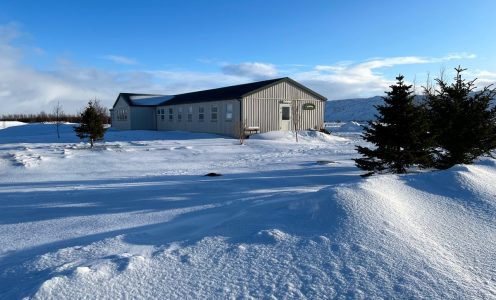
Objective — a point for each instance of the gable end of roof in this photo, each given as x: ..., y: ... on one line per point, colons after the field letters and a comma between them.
x: 291, y: 81
x: 127, y: 98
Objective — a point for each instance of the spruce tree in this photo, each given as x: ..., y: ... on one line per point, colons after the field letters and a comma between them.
x: 399, y: 133
x: 91, y: 126
x: 462, y: 122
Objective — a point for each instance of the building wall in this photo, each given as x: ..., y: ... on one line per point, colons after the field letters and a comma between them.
x: 119, y: 122
x: 143, y: 118
x: 221, y: 126
x: 262, y: 108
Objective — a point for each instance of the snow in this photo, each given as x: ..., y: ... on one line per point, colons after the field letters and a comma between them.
x: 303, y: 136
x: 136, y: 218
x: 150, y: 101
x: 7, y: 124
x: 346, y: 128
x: 144, y: 96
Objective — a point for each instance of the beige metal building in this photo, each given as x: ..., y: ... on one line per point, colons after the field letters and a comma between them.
x: 277, y: 104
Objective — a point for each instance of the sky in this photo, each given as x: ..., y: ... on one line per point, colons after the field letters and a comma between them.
x: 74, y: 51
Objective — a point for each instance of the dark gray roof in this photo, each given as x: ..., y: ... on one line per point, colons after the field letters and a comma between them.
x: 234, y: 92
x: 150, y: 101
x: 131, y: 101
x: 224, y: 93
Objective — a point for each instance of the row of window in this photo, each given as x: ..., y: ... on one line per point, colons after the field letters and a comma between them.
x: 214, y: 113
x: 121, y: 114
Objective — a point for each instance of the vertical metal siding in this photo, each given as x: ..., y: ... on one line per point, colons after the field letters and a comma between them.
x: 262, y: 108
x: 143, y: 118
x: 221, y: 126
x: 121, y: 124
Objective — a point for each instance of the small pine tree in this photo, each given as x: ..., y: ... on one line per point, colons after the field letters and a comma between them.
x: 399, y: 133
x: 462, y: 122
x: 91, y: 126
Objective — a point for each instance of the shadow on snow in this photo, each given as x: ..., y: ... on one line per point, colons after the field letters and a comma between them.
x: 238, y: 207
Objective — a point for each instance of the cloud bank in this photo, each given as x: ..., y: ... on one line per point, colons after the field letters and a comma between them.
x: 251, y: 70
x: 26, y: 89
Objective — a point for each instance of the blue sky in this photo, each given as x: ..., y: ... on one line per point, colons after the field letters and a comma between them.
x: 71, y: 51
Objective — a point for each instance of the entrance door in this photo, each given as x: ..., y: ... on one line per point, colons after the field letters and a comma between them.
x: 284, y: 117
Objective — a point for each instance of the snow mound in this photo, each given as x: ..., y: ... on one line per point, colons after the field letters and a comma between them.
x: 27, y: 160
x: 308, y: 136
x: 7, y: 124
x: 432, y: 229
x: 272, y: 235
x: 137, y: 214
x: 413, y: 236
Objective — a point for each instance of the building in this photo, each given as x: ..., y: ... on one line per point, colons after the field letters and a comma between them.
x: 263, y: 106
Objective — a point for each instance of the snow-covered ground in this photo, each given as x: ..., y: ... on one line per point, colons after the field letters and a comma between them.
x: 7, y: 124
x: 136, y: 218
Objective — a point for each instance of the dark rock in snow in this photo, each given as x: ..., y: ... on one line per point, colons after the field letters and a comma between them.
x: 213, y: 174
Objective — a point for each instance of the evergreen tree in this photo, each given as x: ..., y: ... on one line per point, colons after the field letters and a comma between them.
x: 399, y: 133
x: 462, y: 122
x: 91, y: 126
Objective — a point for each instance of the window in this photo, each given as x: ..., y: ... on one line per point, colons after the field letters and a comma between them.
x: 160, y: 114
x: 179, y: 114
x: 229, y: 112
x: 213, y: 113
x: 201, y: 113
x: 190, y: 113
x: 171, y: 114
x: 122, y: 114
x: 285, y: 113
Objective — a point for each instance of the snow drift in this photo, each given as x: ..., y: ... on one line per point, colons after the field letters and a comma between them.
x: 81, y: 223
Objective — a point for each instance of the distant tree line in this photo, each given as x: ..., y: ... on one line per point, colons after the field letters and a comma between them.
x: 454, y: 124
x: 42, y: 117
x: 57, y: 115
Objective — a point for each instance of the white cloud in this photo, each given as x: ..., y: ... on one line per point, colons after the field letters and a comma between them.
x: 121, y: 60
x: 24, y: 89
x: 484, y: 78
x: 458, y: 56
x: 250, y: 69
x: 350, y: 80
x: 186, y: 81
